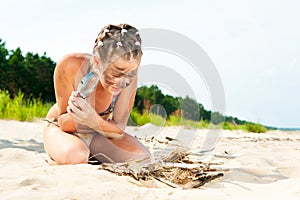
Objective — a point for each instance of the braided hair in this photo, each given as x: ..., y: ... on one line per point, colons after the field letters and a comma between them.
x: 121, y: 40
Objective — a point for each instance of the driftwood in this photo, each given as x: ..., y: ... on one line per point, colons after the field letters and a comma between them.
x: 176, y: 170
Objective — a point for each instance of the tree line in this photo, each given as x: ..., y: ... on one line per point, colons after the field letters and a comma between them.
x: 187, y: 107
x: 32, y: 75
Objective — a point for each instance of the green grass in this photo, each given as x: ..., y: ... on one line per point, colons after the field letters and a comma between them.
x: 248, y: 127
x: 179, y: 121
x: 21, y: 109
x: 253, y: 127
x: 141, y: 119
x: 175, y: 120
x: 230, y: 126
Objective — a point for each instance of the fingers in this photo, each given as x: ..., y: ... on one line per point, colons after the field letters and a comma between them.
x: 69, y: 110
x: 75, y: 94
x: 79, y: 106
x: 80, y: 109
x: 74, y: 107
x: 80, y: 102
x: 75, y: 111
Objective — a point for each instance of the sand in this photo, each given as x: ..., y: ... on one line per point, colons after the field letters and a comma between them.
x: 257, y: 166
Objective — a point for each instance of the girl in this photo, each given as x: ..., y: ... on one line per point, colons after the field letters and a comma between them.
x: 95, y: 125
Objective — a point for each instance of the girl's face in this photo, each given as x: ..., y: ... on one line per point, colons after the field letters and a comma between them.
x: 119, y: 74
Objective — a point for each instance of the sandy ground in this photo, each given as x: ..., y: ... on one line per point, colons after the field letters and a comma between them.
x: 259, y: 166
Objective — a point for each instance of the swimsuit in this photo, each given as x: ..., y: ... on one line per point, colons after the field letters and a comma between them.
x: 111, y: 107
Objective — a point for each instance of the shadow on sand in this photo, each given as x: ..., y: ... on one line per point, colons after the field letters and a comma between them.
x: 29, y: 145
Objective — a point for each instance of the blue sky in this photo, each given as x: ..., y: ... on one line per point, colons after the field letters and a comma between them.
x: 254, y: 44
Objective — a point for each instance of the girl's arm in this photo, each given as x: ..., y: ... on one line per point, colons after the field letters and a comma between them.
x: 121, y: 111
x: 65, y: 71
x: 85, y: 114
x: 124, y: 105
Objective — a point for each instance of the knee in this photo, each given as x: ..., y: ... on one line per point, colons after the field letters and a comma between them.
x: 74, y: 154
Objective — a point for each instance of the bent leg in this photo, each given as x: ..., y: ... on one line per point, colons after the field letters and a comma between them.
x: 118, y: 150
x: 62, y: 147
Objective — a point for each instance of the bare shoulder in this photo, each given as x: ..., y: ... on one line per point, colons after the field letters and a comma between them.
x: 71, y: 63
x: 65, y: 74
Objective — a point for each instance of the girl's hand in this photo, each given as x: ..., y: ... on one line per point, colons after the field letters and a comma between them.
x: 81, y: 111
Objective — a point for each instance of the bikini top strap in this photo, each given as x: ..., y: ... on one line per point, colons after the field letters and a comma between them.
x: 111, y: 106
x: 115, y: 98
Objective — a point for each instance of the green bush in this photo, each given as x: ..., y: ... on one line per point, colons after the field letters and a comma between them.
x: 4, y: 100
x: 174, y: 120
x: 139, y: 119
x: 134, y: 115
x: 230, y: 126
x: 143, y: 119
x: 203, y: 124
x: 195, y: 124
x: 253, y: 127
x: 157, y: 120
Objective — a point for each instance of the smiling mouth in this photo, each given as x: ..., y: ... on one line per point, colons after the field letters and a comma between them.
x: 116, y: 88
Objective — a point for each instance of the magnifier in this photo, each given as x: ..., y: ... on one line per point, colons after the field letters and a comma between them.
x: 88, y: 84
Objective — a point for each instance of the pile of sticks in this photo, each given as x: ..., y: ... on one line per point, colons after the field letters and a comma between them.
x: 176, y: 170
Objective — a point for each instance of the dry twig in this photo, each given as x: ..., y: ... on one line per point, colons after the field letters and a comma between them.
x: 176, y: 170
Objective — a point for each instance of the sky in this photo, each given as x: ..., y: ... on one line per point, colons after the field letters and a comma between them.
x: 254, y: 45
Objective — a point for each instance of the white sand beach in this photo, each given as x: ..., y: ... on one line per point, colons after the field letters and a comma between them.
x: 257, y: 166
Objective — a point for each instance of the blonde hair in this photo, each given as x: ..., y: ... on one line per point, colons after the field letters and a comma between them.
x: 121, y: 40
